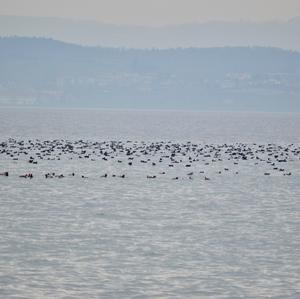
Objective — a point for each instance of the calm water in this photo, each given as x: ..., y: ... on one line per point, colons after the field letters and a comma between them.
x: 235, y: 236
x: 150, y: 125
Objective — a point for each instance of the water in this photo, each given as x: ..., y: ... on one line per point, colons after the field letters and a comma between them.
x: 235, y: 236
x: 150, y: 125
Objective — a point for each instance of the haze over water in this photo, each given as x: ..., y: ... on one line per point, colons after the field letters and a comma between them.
x: 234, y: 236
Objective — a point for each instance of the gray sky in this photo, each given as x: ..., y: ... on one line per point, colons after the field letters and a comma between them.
x: 154, y: 12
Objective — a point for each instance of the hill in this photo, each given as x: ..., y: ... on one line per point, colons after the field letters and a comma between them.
x: 36, y: 71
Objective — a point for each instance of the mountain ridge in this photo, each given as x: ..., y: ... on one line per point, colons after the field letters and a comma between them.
x: 282, y: 34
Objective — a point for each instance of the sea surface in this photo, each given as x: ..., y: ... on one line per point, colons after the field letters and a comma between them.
x: 235, y: 235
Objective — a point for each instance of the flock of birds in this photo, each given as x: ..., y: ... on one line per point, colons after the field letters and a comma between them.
x: 195, y: 157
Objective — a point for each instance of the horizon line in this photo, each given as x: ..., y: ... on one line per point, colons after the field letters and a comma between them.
x: 167, y: 25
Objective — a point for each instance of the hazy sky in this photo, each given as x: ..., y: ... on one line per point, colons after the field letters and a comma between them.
x: 154, y: 12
